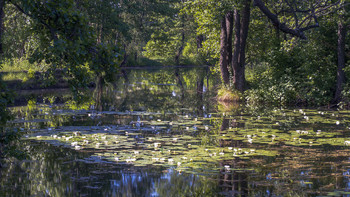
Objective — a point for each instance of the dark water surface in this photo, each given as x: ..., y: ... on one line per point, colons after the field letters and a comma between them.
x: 161, y: 133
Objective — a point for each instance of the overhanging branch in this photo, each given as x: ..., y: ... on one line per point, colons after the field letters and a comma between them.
x: 276, y: 22
x: 52, y: 30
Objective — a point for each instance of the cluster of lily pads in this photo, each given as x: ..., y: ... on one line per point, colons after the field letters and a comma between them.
x: 178, y: 142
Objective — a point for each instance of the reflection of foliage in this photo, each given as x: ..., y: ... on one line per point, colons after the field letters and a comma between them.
x: 274, y: 150
x: 8, y: 136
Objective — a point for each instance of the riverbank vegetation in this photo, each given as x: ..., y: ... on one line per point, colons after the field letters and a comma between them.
x: 279, y: 53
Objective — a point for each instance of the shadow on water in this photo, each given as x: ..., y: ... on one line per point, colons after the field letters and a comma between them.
x: 161, y: 133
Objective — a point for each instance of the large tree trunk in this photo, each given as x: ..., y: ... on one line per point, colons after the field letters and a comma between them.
x: 224, y: 53
x: 229, y: 32
x: 241, y: 35
x: 341, y: 62
x: 236, y: 45
x: 2, y: 14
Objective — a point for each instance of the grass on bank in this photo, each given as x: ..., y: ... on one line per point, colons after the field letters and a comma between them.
x: 226, y: 94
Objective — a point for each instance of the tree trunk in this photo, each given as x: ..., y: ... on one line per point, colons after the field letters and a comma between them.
x: 341, y: 62
x: 241, y: 35
x: 99, y: 92
x: 2, y: 14
x: 224, y: 53
x: 179, y: 52
x: 236, y: 45
x: 199, y: 39
x: 229, y: 31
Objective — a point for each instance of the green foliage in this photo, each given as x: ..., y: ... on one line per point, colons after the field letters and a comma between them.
x: 297, y: 72
x: 67, y: 42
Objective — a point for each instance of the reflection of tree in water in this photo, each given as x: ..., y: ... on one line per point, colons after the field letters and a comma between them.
x: 173, y: 183
x: 160, y: 90
x: 54, y: 171
x: 233, y: 179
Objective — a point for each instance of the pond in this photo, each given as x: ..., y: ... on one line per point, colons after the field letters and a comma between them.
x: 162, y: 133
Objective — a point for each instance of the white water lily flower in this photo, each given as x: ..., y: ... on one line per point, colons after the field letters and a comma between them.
x: 77, y: 147
x: 136, y: 152
x: 116, y: 159
x: 74, y: 143
x: 155, y: 158
x: 157, y: 145
x: 54, y: 136
x: 206, y: 127
x: 178, y: 163
x: 171, y: 160
x: 221, y: 153
x: 337, y: 123
x: 250, y: 140
x: 227, y: 167
x: 347, y: 143
x: 175, y: 139
x: 39, y: 136
x: 230, y: 148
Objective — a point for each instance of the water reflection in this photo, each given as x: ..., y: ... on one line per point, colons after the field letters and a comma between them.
x: 161, y: 134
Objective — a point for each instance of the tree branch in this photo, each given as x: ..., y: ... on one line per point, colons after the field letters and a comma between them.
x: 52, y: 30
x: 276, y: 22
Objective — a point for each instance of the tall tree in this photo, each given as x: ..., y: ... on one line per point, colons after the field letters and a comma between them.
x: 343, y: 22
